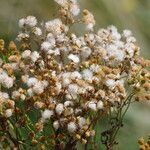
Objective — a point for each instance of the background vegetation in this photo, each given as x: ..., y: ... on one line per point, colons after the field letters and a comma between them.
x: 130, y: 14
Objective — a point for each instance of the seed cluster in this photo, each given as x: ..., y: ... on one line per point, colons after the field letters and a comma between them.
x: 72, y: 80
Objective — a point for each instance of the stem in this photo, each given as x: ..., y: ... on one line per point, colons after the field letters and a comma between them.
x: 86, y: 145
x: 116, y: 124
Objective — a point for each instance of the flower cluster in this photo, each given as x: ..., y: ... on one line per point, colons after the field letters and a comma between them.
x: 72, y: 80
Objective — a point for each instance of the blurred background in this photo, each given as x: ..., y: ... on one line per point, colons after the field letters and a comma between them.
x: 125, y: 14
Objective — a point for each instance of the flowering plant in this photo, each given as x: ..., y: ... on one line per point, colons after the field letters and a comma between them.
x: 56, y: 86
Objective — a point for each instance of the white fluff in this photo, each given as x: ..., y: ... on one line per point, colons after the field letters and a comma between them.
x: 95, y: 68
x: 74, y: 9
x: 54, y: 26
x: 71, y: 127
x: 8, y: 82
x: 46, y: 46
x: 75, y: 75
x: 22, y: 36
x: 87, y: 74
x: 68, y: 103
x: 37, y: 31
x: 38, y: 88
x: 56, y: 125
x: 59, y: 108
x: 74, y: 58
x: 31, y: 21
x: 92, y: 105
x: 126, y: 33
x: 31, y: 81
x: 73, y: 89
x: 26, y: 54
x: 81, y: 121
x: 61, y: 2
x: 30, y: 92
x: 46, y: 114
x: 110, y: 83
x: 85, y: 52
x: 21, y: 23
x: 113, y: 51
x: 34, y: 56
x: 8, y: 113
x: 100, y: 105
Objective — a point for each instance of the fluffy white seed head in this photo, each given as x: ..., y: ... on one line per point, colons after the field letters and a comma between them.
x: 81, y: 121
x: 56, y: 125
x: 22, y: 36
x: 73, y: 89
x: 31, y: 21
x: 100, y: 105
x: 26, y: 54
x: 95, y: 68
x: 38, y: 88
x: 8, y: 82
x: 68, y: 103
x: 54, y: 26
x: 61, y: 2
x: 46, y: 46
x: 110, y: 83
x: 46, y: 114
x: 92, y: 105
x: 75, y: 75
x: 37, y: 31
x: 32, y: 81
x: 30, y: 92
x: 113, y: 51
x: 21, y: 22
x: 74, y: 9
x: 87, y: 74
x: 59, y: 108
x: 71, y: 127
x: 8, y: 113
x: 85, y: 52
x: 34, y: 56
x: 74, y: 58
x: 127, y: 33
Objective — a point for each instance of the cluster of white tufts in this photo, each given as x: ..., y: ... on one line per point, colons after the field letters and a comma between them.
x: 30, y: 21
x: 5, y: 80
x: 27, y: 54
x: 66, y: 76
x: 36, y: 86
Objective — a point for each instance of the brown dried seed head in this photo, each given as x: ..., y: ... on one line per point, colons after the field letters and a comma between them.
x: 34, y: 142
x: 85, y: 12
x: 141, y: 141
x: 42, y: 138
x: 146, y: 85
x: 142, y: 147
x: 78, y: 137
x: 12, y: 46
x: 31, y: 134
x: 38, y: 126
x: 14, y: 58
x: 147, y: 96
x: 146, y: 146
x: 8, y: 68
x: 42, y: 147
x: 87, y: 134
x: 2, y: 43
x: 10, y: 103
x: 84, y: 141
